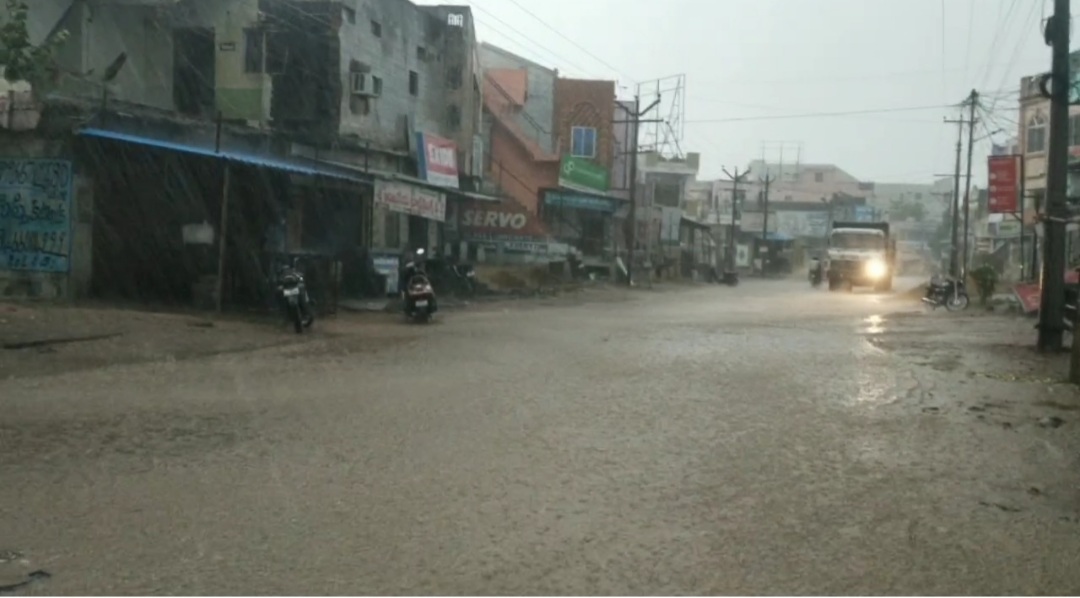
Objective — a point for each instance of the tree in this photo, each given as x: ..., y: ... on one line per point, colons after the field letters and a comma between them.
x: 21, y: 59
x: 903, y: 210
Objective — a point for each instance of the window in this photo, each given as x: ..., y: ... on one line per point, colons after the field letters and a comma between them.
x: 455, y: 20
x: 253, y: 51
x: 453, y: 77
x: 583, y: 142
x: 1074, y: 130
x: 453, y: 116
x: 819, y: 177
x: 376, y: 29
x: 376, y: 85
x: 421, y: 53
x: 1036, y: 134
x: 414, y: 83
x: 350, y: 15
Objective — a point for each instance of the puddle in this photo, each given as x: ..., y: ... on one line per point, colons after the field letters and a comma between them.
x: 874, y: 325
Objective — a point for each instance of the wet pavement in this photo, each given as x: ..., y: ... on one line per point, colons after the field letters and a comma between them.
x: 764, y: 439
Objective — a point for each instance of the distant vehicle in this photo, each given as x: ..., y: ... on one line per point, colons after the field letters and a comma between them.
x: 861, y: 254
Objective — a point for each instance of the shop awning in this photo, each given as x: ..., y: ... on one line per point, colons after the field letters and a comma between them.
x: 247, y: 159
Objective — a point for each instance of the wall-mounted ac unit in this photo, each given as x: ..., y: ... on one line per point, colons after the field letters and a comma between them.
x: 363, y: 84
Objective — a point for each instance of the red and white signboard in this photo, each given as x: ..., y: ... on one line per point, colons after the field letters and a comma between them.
x: 1004, y: 185
x: 437, y: 160
x: 507, y: 221
x: 410, y: 199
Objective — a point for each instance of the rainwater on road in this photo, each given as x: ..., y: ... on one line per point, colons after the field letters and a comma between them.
x: 714, y: 440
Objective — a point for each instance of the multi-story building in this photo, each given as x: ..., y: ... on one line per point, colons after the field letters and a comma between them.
x: 551, y: 148
x: 349, y: 124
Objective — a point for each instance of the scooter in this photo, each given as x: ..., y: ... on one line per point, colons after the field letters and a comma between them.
x: 299, y: 308
x: 419, y: 298
x: 948, y: 292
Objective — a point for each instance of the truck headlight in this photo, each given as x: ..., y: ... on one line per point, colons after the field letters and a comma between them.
x: 876, y: 269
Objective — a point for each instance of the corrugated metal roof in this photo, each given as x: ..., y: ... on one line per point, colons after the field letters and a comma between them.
x: 233, y: 156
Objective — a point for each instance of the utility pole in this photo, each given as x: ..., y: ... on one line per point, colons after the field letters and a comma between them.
x: 765, y: 223
x: 973, y: 101
x: 954, y: 203
x: 1051, y: 310
x: 736, y: 178
x: 635, y: 120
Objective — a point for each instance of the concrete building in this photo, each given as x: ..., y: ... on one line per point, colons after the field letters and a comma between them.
x: 355, y: 122
x: 551, y: 148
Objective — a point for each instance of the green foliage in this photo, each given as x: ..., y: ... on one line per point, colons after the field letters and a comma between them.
x: 22, y: 60
x: 903, y: 210
x: 986, y: 280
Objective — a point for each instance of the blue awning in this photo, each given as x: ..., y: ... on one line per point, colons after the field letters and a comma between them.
x: 775, y: 236
x: 230, y: 155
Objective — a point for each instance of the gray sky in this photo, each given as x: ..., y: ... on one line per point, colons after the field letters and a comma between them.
x: 764, y: 59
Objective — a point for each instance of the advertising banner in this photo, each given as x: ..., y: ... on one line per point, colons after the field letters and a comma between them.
x: 437, y: 160
x: 1004, y: 187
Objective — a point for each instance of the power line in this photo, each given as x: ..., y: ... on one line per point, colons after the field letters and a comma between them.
x: 524, y: 36
x: 823, y: 114
x: 574, y: 43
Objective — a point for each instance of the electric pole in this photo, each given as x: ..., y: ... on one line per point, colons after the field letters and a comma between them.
x: 1051, y: 310
x: 736, y: 178
x: 973, y: 101
x: 954, y: 204
x: 765, y: 223
x: 635, y: 120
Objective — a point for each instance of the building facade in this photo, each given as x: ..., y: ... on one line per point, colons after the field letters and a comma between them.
x: 349, y: 125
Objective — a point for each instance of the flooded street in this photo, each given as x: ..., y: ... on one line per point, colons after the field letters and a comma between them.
x: 764, y: 439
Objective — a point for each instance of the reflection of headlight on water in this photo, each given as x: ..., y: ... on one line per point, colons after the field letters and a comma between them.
x: 876, y: 269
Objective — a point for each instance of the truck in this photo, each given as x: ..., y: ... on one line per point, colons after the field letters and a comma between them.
x: 861, y: 254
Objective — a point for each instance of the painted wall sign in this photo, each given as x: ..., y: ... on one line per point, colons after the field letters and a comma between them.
x: 35, y: 215
x: 507, y: 221
x: 410, y: 199
x: 437, y: 160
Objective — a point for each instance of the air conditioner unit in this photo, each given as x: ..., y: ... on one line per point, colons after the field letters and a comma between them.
x: 362, y: 84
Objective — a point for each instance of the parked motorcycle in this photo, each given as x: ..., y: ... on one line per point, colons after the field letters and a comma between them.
x: 948, y: 292
x: 297, y: 303
x: 418, y: 293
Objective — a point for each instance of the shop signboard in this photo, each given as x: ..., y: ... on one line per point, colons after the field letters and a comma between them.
x: 410, y: 199
x: 437, y: 160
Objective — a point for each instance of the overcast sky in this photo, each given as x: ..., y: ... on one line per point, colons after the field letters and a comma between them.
x: 759, y: 63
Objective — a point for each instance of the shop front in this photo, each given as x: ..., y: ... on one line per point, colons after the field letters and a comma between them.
x: 408, y: 217
x: 504, y: 233
x: 583, y: 221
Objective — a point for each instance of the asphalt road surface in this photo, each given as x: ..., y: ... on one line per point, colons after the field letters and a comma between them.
x: 706, y: 441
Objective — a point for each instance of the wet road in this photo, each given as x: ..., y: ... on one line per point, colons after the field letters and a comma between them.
x: 703, y: 441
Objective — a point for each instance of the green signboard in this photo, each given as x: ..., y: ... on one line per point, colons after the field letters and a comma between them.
x: 583, y: 175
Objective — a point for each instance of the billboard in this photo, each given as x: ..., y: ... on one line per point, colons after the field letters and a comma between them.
x: 507, y: 221
x: 1004, y: 184
x: 436, y: 160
